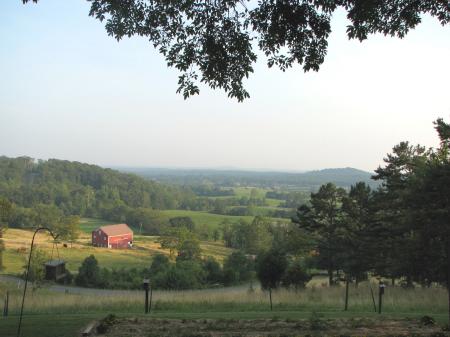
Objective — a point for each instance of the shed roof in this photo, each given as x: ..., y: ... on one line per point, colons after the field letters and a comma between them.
x: 118, y: 229
x: 55, y: 263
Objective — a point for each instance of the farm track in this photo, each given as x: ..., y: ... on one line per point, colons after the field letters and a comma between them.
x: 95, y: 291
x: 70, y: 289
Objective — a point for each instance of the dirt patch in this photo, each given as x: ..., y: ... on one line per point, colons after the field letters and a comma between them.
x: 144, y: 327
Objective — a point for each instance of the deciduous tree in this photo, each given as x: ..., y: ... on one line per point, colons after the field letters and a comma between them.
x: 213, y: 41
x: 5, y: 213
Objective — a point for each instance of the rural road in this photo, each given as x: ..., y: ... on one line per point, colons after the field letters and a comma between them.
x: 69, y: 289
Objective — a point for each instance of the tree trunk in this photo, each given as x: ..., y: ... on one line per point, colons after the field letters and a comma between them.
x: 270, y: 296
x: 346, y: 293
x: 448, y: 277
x: 409, y: 283
x: 330, y: 277
x: 1, y: 248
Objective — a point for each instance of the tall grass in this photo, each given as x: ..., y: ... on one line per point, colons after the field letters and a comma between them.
x: 396, y: 300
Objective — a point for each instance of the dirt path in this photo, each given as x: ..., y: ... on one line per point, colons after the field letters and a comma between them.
x: 69, y: 289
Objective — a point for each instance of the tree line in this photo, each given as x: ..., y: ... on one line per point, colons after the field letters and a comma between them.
x: 82, y: 189
x: 91, y: 191
x: 400, y: 230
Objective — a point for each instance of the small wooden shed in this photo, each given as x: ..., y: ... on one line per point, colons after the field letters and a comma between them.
x: 55, y: 270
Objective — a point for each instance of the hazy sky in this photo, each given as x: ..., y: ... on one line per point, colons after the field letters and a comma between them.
x: 69, y: 91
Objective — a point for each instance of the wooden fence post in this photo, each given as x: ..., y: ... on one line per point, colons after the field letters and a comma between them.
x: 5, y: 308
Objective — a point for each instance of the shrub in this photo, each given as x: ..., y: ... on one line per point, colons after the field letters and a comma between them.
x: 88, y: 273
x: 270, y: 268
x: 213, y: 271
x: 160, y: 264
x: 295, y: 276
x: 237, y: 268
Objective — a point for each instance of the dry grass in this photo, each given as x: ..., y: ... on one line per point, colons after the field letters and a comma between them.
x: 18, y: 241
x: 430, y: 301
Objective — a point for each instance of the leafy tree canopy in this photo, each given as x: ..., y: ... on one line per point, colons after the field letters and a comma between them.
x: 270, y: 268
x: 88, y: 273
x: 213, y: 41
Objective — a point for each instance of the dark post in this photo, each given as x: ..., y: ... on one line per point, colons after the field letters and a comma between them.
x: 7, y: 303
x: 5, y: 308
x: 146, y: 287
x: 346, y: 293
x: 270, y: 296
x: 380, y: 295
x: 151, y: 296
x: 373, y: 298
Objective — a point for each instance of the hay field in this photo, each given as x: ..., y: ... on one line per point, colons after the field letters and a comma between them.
x: 17, y: 242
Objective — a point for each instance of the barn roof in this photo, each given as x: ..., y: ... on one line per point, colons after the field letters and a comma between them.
x: 119, y: 229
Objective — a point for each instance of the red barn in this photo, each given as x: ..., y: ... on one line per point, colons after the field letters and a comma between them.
x: 113, y: 236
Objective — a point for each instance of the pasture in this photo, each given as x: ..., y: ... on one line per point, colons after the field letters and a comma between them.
x: 258, y: 192
x: 200, y: 218
x: 17, y: 242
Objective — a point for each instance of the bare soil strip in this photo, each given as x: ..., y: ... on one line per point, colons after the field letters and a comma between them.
x: 140, y: 327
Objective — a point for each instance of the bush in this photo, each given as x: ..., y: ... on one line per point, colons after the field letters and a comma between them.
x: 427, y: 321
x: 106, y: 323
x: 237, y: 268
x: 213, y: 271
x: 295, y: 276
x: 179, y: 276
x: 160, y: 264
x: 270, y: 268
x: 317, y: 322
x: 88, y: 273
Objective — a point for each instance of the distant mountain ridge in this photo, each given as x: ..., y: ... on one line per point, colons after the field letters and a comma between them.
x: 310, y: 180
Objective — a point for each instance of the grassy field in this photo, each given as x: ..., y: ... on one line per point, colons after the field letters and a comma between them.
x: 260, y: 193
x: 237, y: 303
x: 247, y: 191
x: 204, y: 217
x: 46, y: 325
x: 431, y: 301
x: 18, y: 241
x: 87, y: 225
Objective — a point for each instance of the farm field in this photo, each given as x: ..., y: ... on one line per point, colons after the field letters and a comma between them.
x: 200, y: 218
x: 17, y: 242
x: 240, y: 192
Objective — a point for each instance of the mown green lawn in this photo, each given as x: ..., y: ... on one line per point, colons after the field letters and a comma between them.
x: 46, y: 325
